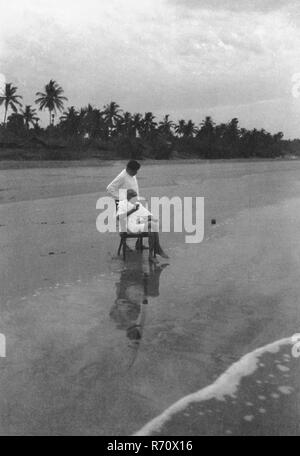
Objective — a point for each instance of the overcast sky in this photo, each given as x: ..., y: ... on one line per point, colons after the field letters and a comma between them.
x: 186, y: 58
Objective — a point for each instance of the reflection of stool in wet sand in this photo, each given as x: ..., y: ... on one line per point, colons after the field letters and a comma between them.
x: 139, y: 245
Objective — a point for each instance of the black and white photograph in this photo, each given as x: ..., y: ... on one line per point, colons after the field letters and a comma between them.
x: 149, y: 221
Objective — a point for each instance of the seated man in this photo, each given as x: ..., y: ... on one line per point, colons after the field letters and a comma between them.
x: 135, y: 218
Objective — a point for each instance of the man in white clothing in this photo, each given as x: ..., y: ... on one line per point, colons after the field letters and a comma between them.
x: 124, y: 181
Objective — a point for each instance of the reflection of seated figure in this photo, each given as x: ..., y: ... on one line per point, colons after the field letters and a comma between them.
x: 133, y: 290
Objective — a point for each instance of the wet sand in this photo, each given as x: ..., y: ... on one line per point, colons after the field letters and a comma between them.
x: 99, y: 347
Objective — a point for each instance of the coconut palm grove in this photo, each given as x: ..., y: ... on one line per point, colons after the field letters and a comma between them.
x: 112, y: 133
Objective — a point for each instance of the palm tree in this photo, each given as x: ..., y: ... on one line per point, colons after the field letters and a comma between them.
x: 220, y: 131
x: 189, y: 129
x: 29, y: 116
x: 207, y: 126
x: 148, y: 123
x: 166, y: 125
x: 112, y: 116
x: 137, y: 123
x: 278, y: 136
x: 180, y: 127
x: 92, y: 122
x: 207, y: 134
x: 231, y: 136
x: 52, y: 99
x: 186, y: 129
x: 70, y: 113
x: 70, y: 121
x: 125, y: 124
x: 84, y: 116
x: 10, y: 99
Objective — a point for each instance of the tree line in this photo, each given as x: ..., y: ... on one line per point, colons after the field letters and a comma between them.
x: 131, y: 135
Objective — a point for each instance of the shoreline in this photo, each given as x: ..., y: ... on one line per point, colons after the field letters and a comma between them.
x: 95, y: 162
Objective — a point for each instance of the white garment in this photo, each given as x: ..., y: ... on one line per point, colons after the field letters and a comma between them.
x: 123, y: 182
x: 137, y: 222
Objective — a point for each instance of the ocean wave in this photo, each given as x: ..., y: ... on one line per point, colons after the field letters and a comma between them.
x: 226, y: 385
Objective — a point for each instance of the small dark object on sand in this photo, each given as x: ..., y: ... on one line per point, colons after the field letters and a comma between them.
x: 51, y: 253
x: 213, y: 222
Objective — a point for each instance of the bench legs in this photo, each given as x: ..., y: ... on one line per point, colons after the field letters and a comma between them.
x: 123, y: 245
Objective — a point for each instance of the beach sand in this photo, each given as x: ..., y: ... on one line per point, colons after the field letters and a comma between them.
x: 85, y: 356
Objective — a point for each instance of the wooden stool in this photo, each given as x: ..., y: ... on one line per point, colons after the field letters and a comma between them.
x: 125, y: 236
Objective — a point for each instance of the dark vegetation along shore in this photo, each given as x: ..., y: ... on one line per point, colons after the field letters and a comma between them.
x: 110, y: 133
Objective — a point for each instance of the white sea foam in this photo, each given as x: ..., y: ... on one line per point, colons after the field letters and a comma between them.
x: 285, y: 390
x: 226, y: 385
x: 282, y: 368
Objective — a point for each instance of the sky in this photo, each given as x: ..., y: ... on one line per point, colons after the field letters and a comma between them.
x: 185, y: 58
